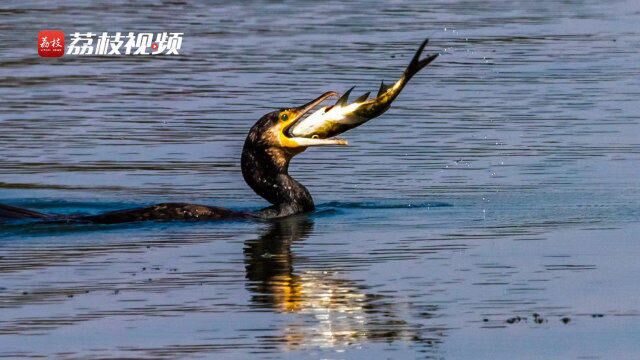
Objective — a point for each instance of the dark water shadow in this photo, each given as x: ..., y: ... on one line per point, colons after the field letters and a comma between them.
x: 23, y: 230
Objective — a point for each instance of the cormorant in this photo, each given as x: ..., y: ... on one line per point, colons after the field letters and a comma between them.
x: 269, y: 147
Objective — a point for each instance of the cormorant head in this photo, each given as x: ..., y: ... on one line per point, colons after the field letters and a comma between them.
x: 267, y: 151
x: 273, y: 129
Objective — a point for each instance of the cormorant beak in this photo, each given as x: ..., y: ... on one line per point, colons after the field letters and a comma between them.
x: 294, y: 115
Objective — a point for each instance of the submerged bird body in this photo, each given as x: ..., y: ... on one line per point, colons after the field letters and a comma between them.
x: 268, y: 149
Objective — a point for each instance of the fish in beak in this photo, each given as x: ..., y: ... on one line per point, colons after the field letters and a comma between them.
x: 330, y: 121
x: 288, y: 118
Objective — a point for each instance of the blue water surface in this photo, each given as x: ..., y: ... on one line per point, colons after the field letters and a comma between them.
x: 491, y: 213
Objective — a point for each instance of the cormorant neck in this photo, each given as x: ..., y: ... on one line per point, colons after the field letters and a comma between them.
x: 266, y: 171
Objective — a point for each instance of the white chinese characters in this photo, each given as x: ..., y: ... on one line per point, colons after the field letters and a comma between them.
x: 131, y: 44
x: 54, y: 43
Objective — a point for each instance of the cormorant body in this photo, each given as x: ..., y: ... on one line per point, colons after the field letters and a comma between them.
x: 268, y: 149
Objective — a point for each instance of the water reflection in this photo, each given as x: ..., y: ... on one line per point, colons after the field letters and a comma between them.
x: 335, y: 312
x: 269, y: 263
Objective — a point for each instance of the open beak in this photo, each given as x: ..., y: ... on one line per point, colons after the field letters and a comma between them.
x: 301, y: 110
x: 297, y: 115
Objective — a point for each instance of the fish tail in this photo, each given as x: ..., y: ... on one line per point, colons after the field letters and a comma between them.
x: 387, y: 94
x: 418, y: 64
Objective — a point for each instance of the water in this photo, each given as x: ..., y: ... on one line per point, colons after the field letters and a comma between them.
x: 503, y: 183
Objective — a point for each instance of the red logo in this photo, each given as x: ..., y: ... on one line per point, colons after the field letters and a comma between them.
x: 51, y: 43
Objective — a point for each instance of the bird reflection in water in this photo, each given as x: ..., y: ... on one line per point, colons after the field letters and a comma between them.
x: 334, y: 312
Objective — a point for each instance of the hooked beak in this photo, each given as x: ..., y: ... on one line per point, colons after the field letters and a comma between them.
x: 297, y: 114
x: 301, y: 110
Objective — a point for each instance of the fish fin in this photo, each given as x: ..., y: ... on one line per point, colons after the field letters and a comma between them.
x: 383, y: 88
x: 344, y: 98
x: 363, y: 98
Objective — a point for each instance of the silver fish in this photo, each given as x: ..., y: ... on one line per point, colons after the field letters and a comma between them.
x: 332, y: 120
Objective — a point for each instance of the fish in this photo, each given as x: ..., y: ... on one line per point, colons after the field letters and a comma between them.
x: 332, y: 120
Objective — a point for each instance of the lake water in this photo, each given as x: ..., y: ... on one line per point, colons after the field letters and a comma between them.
x: 491, y: 213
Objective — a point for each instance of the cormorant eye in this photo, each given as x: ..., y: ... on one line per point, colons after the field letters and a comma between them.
x: 284, y: 117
